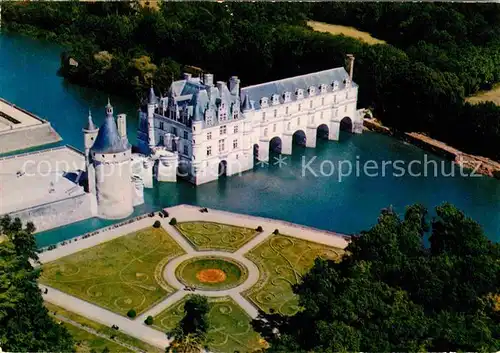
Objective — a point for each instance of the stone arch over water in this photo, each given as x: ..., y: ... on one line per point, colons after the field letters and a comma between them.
x: 346, y: 124
x: 322, y: 132
x: 275, y: 145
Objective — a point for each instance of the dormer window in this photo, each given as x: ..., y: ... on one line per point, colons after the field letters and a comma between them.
x: 264, y: 102
x: 275, y: 99
x: 322, y: 88
x: 311, y: 91
x: 287, y: 97
x: 299, y: 93
x: 335, y: 85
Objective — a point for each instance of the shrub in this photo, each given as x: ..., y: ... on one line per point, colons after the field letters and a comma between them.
x: 259, y: 229
x: 156, y: 224
x: 276, y: 231
x: 131, y: 313
x: 173, y: 222
x: 149, y: 320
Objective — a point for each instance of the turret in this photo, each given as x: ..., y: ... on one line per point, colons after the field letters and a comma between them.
x: 111, y: 154
x: 152, y: 105
x: 90, y: 132
x: 121, y: 122
x: 246, y: 106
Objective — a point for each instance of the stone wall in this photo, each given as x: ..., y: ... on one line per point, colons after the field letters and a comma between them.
x: 56, y: 214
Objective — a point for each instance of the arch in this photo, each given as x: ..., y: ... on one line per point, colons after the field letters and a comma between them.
x: 322, y: 132
x: 275, y: 145
x: 299, y: 138
x: 222, y: 168
x: 346, y: 124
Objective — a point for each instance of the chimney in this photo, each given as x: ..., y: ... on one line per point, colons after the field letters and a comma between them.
x: 234, y: 85
x: 187, y: 76
x: 121, y: 122
x: 350, y: 59
x: 220, y: 85
x: 208, y: 79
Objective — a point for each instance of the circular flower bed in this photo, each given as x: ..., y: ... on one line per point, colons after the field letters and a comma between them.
x: 211, y: 273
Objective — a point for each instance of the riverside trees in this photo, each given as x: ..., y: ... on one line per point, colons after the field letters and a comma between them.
x: 392, y: 293
x: 25, y: 325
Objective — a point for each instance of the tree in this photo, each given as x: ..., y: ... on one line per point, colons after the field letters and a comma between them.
x: 192, y: 329
x: 25, y: 323
x: 391, y: 293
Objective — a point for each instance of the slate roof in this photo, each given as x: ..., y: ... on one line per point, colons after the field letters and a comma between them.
x: 198, y: 97
x: 291, y: 84
x: 90, y: 124
x: 108, y: 140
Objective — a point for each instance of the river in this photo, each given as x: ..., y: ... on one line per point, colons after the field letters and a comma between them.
x: 291, y: 192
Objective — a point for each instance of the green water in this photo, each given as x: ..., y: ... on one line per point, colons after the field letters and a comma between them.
x: 28, y: 78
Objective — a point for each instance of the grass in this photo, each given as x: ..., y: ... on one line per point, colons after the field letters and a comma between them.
x: 102, y: 329
x: 492, y: 95
x: 189, y: 271
x: 347, y: 31
x: 215, y: 236
x: 118, y: 275
x: 85, y: 341
x: 230, y: 328
x: 282, y: 260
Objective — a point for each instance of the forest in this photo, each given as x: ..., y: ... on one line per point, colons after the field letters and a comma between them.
x: 437, y: 53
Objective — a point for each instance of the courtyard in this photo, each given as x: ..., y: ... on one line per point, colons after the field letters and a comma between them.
x: 242, y: 264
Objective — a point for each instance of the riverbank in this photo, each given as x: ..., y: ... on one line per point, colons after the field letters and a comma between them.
x: 479, y: 164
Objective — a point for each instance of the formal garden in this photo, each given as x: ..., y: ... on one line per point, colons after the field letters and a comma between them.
x: 230, y: 326
x: 215, y: 236
x: 131, y: 274
x: 118, y: 275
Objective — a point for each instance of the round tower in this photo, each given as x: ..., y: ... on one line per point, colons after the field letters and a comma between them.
x: 111, y: 154
x: 89, y: 135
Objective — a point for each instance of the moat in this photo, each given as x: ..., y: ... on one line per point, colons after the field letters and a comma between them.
x: 28, y: 78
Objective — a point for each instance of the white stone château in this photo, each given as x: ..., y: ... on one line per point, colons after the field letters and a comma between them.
x: 110, y: 178
x: 202, y: 129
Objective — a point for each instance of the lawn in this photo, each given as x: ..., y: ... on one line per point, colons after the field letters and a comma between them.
x: 102, y: 329
x: 120, y: 274
x: 86, y: 342
x: 347, y: 31
x: 492, y: 95
x: 215, y: 236
x: 211, y: 273
x: 281, y: 261
x: 230, y: 328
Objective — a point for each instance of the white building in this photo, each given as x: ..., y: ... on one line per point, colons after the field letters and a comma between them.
x: 202, y: 130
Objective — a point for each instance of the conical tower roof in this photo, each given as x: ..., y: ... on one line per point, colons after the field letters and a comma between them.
x: 246, y: 103
x: 90, y: 123
x: 108, y: 140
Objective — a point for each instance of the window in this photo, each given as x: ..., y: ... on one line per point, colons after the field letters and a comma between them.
x: 236, y: 129
x: 263, y: 116
x: 236, y: 156
x: 161, y: 140
x: 174, y: 131
x: 300, y: 107
x: 264, y: 102
x: 310, y: 103
x: 289, y: 126
x: 185, y: 135
x: 223, y: 130
x: 221, y: 145
x: 286, y: 110
x: 321, y: 115
x: 345, y: 109
x: 274, y: 128
x: 275, y: 113
x: 186, y: 149
x: 235, y: 144
x: 209, y: 135
x: 323, y: 101
x: 209, y: 151
x: 265, y: 131
x: 161, y: 125
x: 298, y: 121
